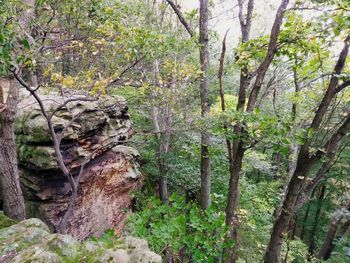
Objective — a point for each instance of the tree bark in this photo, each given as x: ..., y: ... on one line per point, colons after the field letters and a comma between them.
x: 327, y: 247
x: 162, y: 181
x: 205, y: 188
x: 13, y: 200
x: 232, y: 200
x: 9, y: 177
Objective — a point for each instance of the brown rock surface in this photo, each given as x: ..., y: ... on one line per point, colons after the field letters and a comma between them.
x: 105, y: 186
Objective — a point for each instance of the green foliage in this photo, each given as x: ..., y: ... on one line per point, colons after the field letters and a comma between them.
x: 97, y: 45
x: 341, y: 252
x: 5, y: 221
x: 294, y: 251
x: 181, y: 227
x: 7, y: 38
x: 108, y: 239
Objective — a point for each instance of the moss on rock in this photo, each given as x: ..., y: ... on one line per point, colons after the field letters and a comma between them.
x: 30, y: 241
x: 5, y: 221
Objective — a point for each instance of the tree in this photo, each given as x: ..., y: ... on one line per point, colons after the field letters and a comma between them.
x: 205, y: 136
x: 9, y: 178
x: 334, y: 226
x: 239, y: 145
x: 205, y: 188
x: 306, y: 159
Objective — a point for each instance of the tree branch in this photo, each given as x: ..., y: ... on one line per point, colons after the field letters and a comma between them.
x: 272, y: 48
x: 332, y: 86
x: 342, y: 86
x: 181, y: 17
x: 125, y: 70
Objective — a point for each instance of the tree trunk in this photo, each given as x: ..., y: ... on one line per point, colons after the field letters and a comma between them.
x: 327, y: 247
x: 282, y: 220
x: 165, y: 148
x: 236, y: 149
x: 205, y: 188
x: 312, y: 245
x: 9, y: 177
x: 162, y: 137
x: 232, y: 201
x: 162, y: 181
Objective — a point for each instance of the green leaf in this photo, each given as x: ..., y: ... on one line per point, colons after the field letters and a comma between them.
x: 25, y: 43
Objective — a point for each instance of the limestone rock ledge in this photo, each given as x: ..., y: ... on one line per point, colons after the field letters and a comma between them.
x: 108, y: 179
x: 31, y: 241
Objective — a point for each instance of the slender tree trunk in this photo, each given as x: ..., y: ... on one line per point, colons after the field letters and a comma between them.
x: 162, y: 132
x: 205, y: 188
x: 334, y: 226
x: 278, y: 159
x: 162, y: 181
x: 232, y: 200
x: 9, y: 177
x: 165, y: 148
x: 327, y: 247
x: 282, y: 221
x: 237, y: 148
x: 312, y: 245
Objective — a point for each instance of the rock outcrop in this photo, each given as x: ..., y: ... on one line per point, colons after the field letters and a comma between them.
x: 31, y: 241
x: 101, y: 129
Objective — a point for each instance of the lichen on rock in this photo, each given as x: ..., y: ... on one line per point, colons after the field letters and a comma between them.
x: 31, y: 241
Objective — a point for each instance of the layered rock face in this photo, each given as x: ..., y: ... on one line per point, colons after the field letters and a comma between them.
x: 31, y: 241
x: 98, y: 133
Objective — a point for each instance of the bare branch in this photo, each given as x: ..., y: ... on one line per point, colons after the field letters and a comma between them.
x: 181, y: 17
x: 342, y: 86
x: 125, y: 71
x: 220, y: 72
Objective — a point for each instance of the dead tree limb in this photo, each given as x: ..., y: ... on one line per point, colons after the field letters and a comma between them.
x: 181, y: 17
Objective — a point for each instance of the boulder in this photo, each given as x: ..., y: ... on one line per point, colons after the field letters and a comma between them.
x: 31, y: 241
x: 100, y: 131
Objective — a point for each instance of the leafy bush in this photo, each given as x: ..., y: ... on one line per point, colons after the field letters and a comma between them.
x: 181, y: 228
